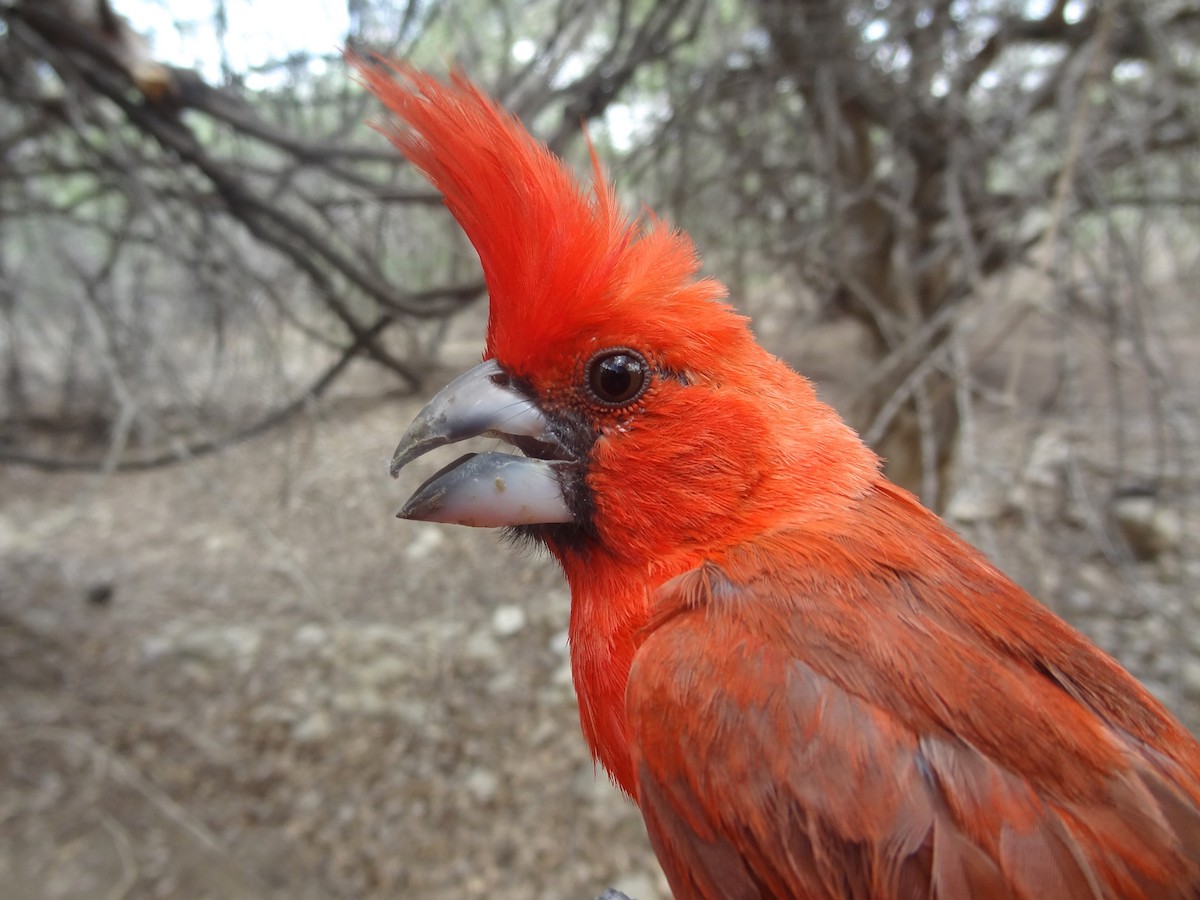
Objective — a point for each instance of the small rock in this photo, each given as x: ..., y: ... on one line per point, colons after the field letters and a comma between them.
x: 311, y: 636
x: 635, y: 886
x: 1189, y: 674
x: 557, y: 598
x: 545, y: 731
x: 1094, y: 578
x: 155, y: 648
x: 415, y: 713
x: 1078, y: 601
x: 976, y: 503
x: 210, y: 645
x: 561, y: 643
x: 381, y: 671
x: 368, y: 702
x: 43, y: 622
x: 591, y: 786
x: 1151, y: 632
x: 1149, y: 527
x: 563, y: 677
x: 1046, y: 460
x: 483, y: 785
x: 508, y: 620
x: 426, y: 540
x: 482, y: 647
x: 504, y: 682
x: 310, y: 801
x: 273, y: 713
x: 313, y: 729
x: 381, y: 634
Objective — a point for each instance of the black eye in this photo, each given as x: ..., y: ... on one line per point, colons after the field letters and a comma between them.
x: 617, y: 377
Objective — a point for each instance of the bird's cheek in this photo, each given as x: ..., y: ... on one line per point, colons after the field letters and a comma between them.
x: 624, y: 502
x: 655, y: 497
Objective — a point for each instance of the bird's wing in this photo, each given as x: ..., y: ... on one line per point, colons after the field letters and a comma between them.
x: 773, y: 761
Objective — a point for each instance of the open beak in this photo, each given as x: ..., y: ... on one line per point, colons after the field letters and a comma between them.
x: 487, y: 489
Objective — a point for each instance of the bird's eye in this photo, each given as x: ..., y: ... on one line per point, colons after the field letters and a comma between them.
x: 617, y: 377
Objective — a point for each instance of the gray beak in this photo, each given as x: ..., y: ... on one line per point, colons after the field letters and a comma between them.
x: 486, y: 489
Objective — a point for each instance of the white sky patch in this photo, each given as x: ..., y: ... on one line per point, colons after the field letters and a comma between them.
x: 524, y: 50
x: 1129, y: 70
x: 1038, y: 9
x: 183, y: 33
x: 1074, y: 11
x: 627, y: 122
x: 876, y: 30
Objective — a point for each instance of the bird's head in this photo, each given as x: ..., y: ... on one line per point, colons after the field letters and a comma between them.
x: 651, y: 426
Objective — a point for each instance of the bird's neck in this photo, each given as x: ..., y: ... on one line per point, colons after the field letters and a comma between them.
x: 609, y: 609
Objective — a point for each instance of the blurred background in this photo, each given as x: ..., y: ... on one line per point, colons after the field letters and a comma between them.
x: 226, y: 671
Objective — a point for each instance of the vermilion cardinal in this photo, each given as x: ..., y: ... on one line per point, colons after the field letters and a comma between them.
x: 809, y: 684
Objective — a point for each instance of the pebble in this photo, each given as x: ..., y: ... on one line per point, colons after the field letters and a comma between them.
x: 505, y: 682
x: 273, y: 713
x: 315, y: 728
x: 424, y: 542
x: 415, y: 713
x: 562, y: 676
x: 1151, y: 528
x: 1189, y: 674
x: 483, y: 784
x: 1046, y: 460
x: 976, y: 503
x: 482, y: 647
x: 560, y: 643
x: 311, y: 636
x: 212, y: 644
x: 508, y: 620
x: 368, y: 702
x: 381, y: 671
x: 637, y: 886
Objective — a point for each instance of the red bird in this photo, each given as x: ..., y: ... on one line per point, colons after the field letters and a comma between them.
x: 809, y: 684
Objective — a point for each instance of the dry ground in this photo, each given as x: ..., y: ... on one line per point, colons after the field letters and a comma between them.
x: 243, y: 678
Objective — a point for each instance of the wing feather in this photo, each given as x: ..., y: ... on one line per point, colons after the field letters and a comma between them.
x: 761, y: 774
